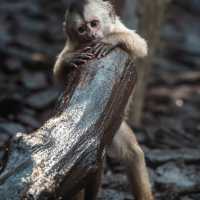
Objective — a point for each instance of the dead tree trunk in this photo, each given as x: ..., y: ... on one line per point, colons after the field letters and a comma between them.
x: 146, y: 17
x: 55, y: 161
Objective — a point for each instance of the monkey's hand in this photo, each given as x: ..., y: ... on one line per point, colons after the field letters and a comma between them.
x: 69, y: 61
x: 101, y: 49
x: 129, y: 41
x: 80, y: 57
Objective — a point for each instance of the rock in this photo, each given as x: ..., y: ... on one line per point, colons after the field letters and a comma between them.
x: 192, y: 45
x: 28, y: 120
x: 43, y: 99
x: 109, y: 194
x: 2, y: 153
x: 168, y: 134
x: 169, y: 32
x: 194, y: 196
x: 5, y: 38
x: 4, y: 141
x: 115, y: 181
x: 178, y: 177
x: 186, y: 198
x: 192, y: 5
x: 4, y: 138
x: 11, y: 128
x: 189, y: 46
x: 12, y: 65
x: 192, y: 61
x: 168, y: 155
x: 10, y: 106
x: 34, y: 80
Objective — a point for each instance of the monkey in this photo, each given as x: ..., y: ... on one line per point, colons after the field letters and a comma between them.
x: 125, y: 148
x: 94, y: 21
x: 92, y: 30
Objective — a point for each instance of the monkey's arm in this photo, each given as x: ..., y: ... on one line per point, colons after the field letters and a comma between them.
x: 59, y: 64
x: 68, y: 59
x: 127, y: 39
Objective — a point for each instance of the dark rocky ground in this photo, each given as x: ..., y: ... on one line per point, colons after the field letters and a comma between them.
x: 170, y: 135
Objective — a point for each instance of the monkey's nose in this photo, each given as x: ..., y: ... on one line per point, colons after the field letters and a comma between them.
x: 91, y: 35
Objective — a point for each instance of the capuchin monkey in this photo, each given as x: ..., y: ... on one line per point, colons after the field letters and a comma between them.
x: 93, y: 29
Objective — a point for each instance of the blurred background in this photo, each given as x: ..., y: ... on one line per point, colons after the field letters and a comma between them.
x: 165, y: 110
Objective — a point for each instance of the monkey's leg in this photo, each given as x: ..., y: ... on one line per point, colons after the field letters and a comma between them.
x: 93, y: 185
x: 128, y: 151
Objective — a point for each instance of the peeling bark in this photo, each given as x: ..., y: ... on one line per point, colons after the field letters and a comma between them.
x: 56, y: 161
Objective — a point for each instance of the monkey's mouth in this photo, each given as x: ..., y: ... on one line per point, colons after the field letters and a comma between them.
x: 92, y: 38
x: 87, y: 41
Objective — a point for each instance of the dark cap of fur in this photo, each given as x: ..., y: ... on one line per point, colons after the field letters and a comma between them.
x: 76, y: 6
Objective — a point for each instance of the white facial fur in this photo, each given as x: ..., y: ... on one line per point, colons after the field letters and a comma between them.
x: 99, y: 9
x: 92, y: 9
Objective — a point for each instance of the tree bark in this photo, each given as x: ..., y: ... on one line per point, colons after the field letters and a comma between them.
x: 57, y: 160
x: 146, y: 18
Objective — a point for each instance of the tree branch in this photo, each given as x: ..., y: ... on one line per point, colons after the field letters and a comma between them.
x: 57, y: 159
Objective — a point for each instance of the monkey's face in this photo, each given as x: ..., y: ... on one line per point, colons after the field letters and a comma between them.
x: 86, y: 28
x: 88, y: 24
x: 90, y: 29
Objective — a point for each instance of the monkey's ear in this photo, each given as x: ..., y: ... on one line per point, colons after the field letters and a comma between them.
x: 64, y: 26
x: 66, y: 14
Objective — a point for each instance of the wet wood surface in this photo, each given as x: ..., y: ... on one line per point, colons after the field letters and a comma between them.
x: 57, y: 159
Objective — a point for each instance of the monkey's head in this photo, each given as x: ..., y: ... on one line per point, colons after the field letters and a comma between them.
x: 88, y: 20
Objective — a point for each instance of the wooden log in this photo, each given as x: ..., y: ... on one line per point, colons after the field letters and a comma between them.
x: 56, y: 161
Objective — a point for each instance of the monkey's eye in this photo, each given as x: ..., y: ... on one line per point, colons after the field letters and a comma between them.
x: 81, y: 29
x: 94, y: 23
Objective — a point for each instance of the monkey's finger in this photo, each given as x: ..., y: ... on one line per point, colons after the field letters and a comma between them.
x: 87, y: 48
x: 102, y: 51
x: 95, y: 45
x: 108, y: 50
x: 98, y: 45
x: 73, y: 65
x: 82, y: 56
x: 98, y: 49
x: 86, y: 56
x: 84, y: 50
x: 80, y: 61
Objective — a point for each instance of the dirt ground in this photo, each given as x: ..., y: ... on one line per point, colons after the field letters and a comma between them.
x: 30, y: 38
